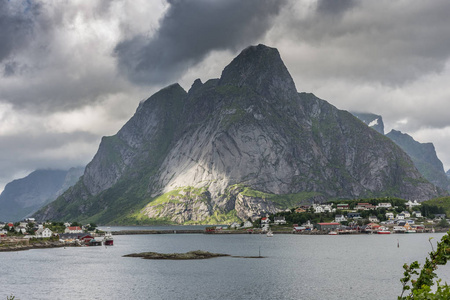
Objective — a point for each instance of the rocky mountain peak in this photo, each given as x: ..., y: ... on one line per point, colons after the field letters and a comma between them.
x: 261, y: 69
x: 235, y: 148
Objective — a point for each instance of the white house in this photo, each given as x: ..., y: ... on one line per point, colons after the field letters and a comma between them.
x: 340, y: 218
x: 373, y: 219
x: 265, y: 220
x: 389, y: 215
x: 410, y: 204
x: 67, y: 224
x: 328, y: 208
x: 417, y: 214
x: 73, y: 229
x: 407, y: 214
x: 384, y: 205
x: 400, y: 217
x: 279, y: 220
x: 20, y: 229
x: 43, y: 233
x: 318, y: 209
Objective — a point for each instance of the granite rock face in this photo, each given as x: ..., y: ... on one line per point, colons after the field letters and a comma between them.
x: 238, y: 144
x: 424, y: 157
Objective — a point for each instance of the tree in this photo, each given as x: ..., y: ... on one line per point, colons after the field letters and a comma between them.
x: 420, y: 288
x: 443, y: 223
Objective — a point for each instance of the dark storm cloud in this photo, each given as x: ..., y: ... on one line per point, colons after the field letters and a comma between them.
x: 189, y: 31
x: 16, y: 25
x: 387, y: 42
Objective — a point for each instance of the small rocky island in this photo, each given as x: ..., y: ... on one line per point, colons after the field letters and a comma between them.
x: 198, y: 254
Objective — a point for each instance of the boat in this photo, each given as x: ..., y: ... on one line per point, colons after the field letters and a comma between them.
x: 270, y: 233
x: 108, y: 240
x: 383, y: 230
x: 332, y: 233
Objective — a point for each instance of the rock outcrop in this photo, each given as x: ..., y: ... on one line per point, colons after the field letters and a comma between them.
x: 236, y: 147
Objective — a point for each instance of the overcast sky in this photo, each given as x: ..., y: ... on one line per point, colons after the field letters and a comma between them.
x: 74, y: 71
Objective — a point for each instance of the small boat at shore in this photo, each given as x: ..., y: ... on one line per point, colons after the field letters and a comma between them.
x: 332, y: 233
x: 270, y: 233
x: 384, y: 232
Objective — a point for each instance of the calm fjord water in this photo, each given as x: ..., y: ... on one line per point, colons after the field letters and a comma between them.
x: 295, y: 267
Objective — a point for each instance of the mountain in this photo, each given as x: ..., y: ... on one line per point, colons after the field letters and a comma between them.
x: 448, y: 173
x: 424, y: 157
x: 371, y: 120
x: 233, y: 148
x: 24, y: 196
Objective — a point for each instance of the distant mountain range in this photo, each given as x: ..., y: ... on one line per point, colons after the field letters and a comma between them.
x: 424, y: 157
x: 234, y: 148
x: 422, y: 154
x: 24, y: 196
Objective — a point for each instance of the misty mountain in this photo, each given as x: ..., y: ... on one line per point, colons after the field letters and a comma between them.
x: 24, y: 196
x: 233, y: 148
x: 372, y: 120
x: 424, y: 157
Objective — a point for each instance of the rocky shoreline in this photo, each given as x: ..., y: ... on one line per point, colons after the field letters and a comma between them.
x: 41, y: 245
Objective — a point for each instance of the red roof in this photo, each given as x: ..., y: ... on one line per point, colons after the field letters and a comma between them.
x: 264, y: 218
x: 74, y: 228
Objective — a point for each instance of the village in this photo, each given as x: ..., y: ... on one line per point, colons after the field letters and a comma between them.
x: 393, y: 216
x: 358, y: 217
x: 29, y: 234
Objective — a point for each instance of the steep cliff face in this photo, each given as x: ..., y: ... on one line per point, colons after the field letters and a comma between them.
x: 236, y: 147
x: 24, y: 196
x: 424, y: 157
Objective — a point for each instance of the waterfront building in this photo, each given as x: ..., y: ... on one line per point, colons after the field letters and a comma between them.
x: 327, y: 226
x: 43, y: 233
